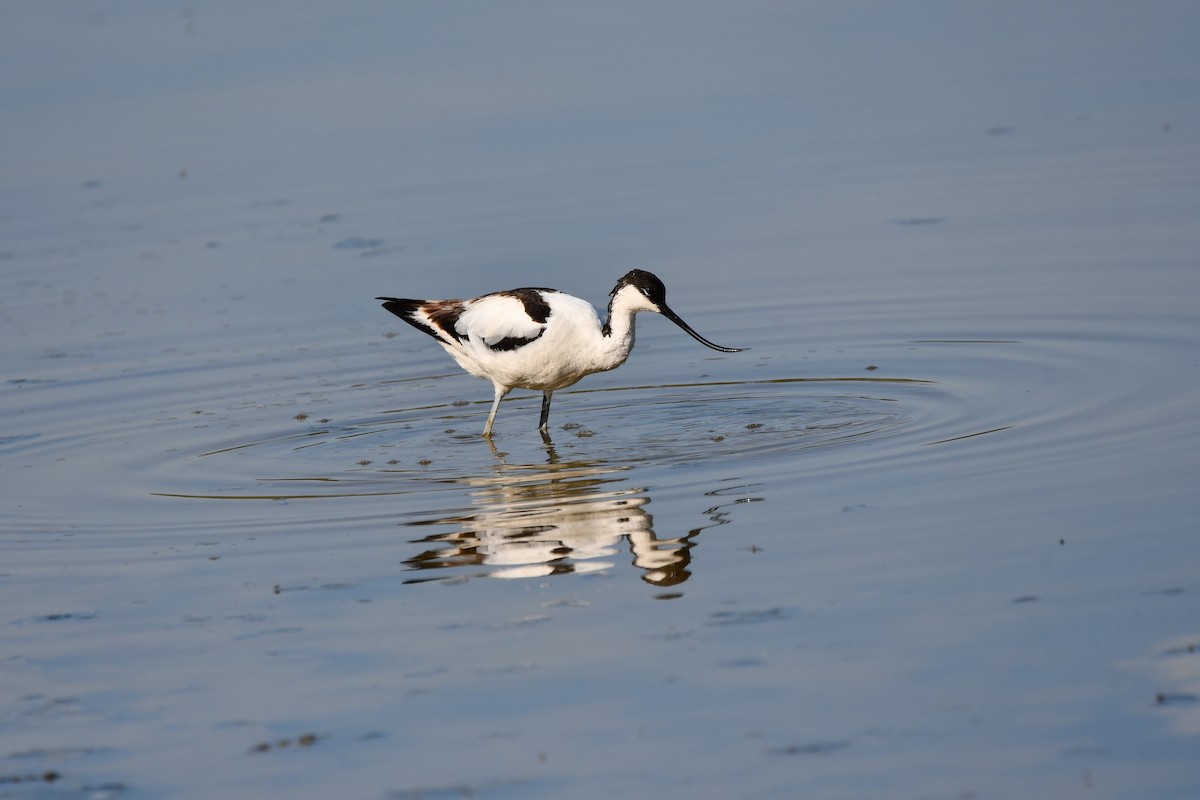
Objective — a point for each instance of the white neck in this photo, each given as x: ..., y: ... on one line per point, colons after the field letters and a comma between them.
x: 618, y: 330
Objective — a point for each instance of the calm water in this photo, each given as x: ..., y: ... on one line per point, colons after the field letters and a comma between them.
x: 933, y: 535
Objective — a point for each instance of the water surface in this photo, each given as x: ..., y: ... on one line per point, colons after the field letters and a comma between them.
x: 933, y: 535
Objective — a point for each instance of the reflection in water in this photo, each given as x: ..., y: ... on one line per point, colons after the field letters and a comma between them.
x: 536, y: 520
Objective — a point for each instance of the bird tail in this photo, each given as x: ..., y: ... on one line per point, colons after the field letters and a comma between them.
x: 427, y: 316
x: 401, y: 307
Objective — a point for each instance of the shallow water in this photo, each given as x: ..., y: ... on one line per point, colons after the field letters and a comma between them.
x: 933, y: 535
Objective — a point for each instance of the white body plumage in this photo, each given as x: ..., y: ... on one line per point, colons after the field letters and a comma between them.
x: 566, y: 347
x: 539, y: 339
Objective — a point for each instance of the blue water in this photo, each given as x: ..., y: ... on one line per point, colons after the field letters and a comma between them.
x: 933, y: 535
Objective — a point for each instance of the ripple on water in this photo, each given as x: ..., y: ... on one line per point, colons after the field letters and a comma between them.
x: 743, y: 421
x: 187, y: 432
x: 520, y: 506
x: 671, y: 425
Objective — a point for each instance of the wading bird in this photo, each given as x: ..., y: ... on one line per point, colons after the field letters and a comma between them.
x: 539, y: 339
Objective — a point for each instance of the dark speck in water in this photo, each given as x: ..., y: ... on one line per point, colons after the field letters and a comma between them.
x: 912, y: 222
x: 49, y: 776
x: 743, y: 663
x: 746, y: 617
x: 813, y: 749
x: 1178, y: 698
x: 303, y: 740
x: 358, y: 243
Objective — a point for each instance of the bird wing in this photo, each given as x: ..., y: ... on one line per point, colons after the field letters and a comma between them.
x: 504, y: 320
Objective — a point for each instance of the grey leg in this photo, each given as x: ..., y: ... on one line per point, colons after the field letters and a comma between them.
x: 544, y: 424
x: 500, y: 392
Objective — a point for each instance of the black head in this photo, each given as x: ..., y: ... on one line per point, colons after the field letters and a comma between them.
x: 652, y: 289
x: 645, y: 282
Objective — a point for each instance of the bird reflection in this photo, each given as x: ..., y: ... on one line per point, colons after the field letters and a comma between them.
x: 530, y: 521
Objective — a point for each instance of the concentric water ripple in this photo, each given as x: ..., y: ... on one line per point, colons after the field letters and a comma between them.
x: 175, y: 429
x: 728, y: 422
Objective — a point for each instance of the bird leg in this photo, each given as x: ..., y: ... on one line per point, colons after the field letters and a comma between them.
x: 544, y: 423
x: 500, y: 392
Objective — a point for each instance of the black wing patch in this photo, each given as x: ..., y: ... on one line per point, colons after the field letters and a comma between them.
x: 537, y: 310
x: 535, y: 305
x: 514, y: 342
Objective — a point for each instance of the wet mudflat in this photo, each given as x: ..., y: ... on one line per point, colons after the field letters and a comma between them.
x: 933, y: 535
